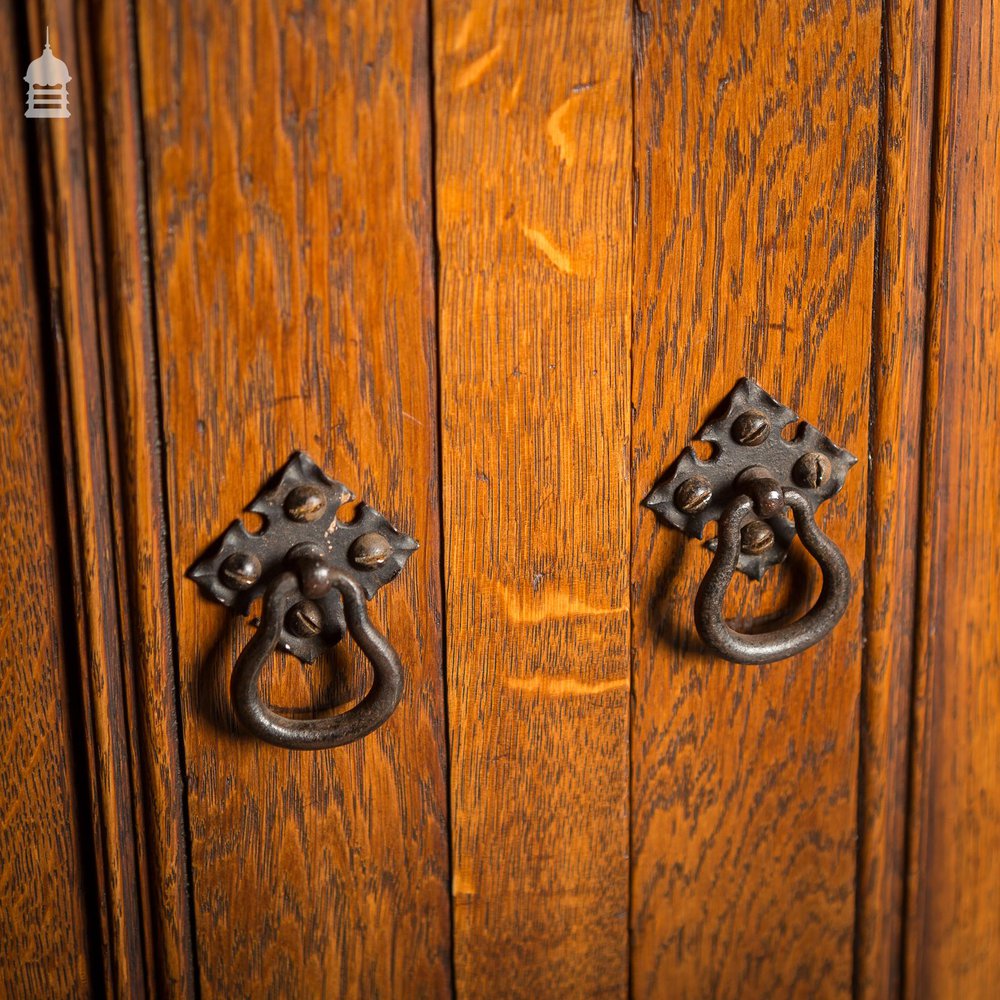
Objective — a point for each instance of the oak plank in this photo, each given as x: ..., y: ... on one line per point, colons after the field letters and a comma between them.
x: 953, y: 918
x: 290, y: 215
x: 893, y: 518
x: 109, y: 414
x: 43, y: 923
x: 533, y: 159
x: 756, y: 143
x: 76, y: 343
x: 108, y: 87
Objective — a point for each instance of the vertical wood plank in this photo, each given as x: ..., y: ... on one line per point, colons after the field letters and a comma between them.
x: 290, y: 212
x: 893, y: 522
x: 756, y: 142
x: 43, y: 936
x: 79, y: 317
x: 122, y: 374
x: 534, y: 228
x: 107, y: 92
x: 93, y: 165
x: 953, y: 928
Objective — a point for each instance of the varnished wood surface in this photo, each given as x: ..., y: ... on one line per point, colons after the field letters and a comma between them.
x: 756, y: 141
x: 953, y: 926
x: 290, y: 159
x: 108, y: 89
x: 71, y: 235
x: 291, y: 225
x: 533, y: 161
x: 43, y: 921
x: 908, y: 33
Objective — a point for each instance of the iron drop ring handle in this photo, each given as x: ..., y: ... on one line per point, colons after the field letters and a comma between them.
x: 791, y: 639
x: 332, y: 731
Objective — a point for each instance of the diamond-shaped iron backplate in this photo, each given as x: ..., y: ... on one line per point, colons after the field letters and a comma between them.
x: 281, y: 533
x: 730, y: 458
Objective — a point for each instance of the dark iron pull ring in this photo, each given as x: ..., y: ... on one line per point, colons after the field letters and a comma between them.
x: 799, y: 635
x: 334, y: 731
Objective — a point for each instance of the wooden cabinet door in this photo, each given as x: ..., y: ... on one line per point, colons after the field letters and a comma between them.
x: 492, y: 265
x: 291, y: 227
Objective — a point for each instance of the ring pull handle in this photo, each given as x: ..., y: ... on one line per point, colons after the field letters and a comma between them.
x: 764, y: 498
x: 315, y: 573
x: 334, y: 731
x: 754, y: 472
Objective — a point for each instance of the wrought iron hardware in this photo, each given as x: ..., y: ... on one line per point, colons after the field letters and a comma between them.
x: 315, y: 573
x: 753, y: 476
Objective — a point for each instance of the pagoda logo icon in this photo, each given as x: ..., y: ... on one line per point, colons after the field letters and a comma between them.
x: 47, y: 79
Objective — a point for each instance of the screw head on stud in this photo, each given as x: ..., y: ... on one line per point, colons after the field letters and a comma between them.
x: 812, y: 470
x: 370, y: 550
x: 240, y: 571
x: 305, y: 619
x: 756, y: 537
x: 751, y: 428
x: 305, y: 503
x: 693, y: 494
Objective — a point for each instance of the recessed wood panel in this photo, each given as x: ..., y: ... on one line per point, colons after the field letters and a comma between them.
x: 533, y: 116
x: 291, y: 225
x: 756, y: 144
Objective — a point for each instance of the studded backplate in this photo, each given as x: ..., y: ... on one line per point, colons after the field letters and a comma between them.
x: 287, y: 525
x: 788, y: 462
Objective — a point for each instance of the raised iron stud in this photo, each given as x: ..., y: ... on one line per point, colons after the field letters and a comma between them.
x: 811, y: 470
x: 305, y: 619
x: 370, y: 550
x: 693, y: 494
x: 756, y: 537
x: 751, y: 428
x: 305, y: 503
x: 240, y: 571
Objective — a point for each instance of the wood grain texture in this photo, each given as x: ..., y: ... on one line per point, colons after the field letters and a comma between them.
x: 43, y: 937
x: 290, y: 214
x: 534, y: 197
x: 72, y: 239
x: 893, y: 519
x: 756, y: 142
x: 953, y: 927
x: 107, y: 85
